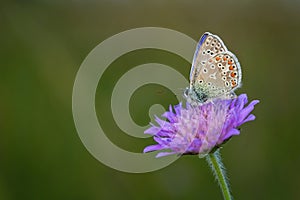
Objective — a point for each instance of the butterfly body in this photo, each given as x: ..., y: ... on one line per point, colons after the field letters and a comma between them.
x: 215, y: 71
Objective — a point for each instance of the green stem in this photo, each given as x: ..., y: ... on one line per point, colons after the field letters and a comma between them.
x: 214, y: 161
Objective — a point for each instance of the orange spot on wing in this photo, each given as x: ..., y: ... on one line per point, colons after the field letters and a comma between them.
x: 230, y: 67
x: 229, y: 63
x: 224, y: 58
x: 233, y: 83
x: 218, y: 58
x: 232, y: 74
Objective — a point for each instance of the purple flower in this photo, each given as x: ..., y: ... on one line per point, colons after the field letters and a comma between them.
x: 200, y: 129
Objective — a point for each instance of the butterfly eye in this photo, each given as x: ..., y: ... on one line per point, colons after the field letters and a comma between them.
x: 212, y: 53
x: 213, y: 44
x: 200, y: 81
x: 222, y: 67
x: 224, y: 78
x: 218, y: 45
x: 219, y: 65
x: 209, y: 38
x: 224, y: 73
x: 209, y: 83
x: 233, y: 66
x: 203, y: 52
x: 221, y: 50
x: 212, y: 66
x: 208, y: 51
x: 227, y: 84
x: 204, y: 70
x: 203, y: 62
x: 227, y: 56
x: 215, y: 41
x: 207, y: 43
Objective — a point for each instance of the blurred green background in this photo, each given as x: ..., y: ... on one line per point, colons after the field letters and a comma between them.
x: 42, y: 46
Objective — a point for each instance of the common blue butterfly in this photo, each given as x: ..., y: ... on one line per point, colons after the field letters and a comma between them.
x: 215, y: 72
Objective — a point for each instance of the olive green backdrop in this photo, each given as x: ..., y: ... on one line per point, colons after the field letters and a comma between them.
x: 42, y: 45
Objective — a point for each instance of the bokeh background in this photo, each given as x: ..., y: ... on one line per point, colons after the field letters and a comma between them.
x: 42, y: 46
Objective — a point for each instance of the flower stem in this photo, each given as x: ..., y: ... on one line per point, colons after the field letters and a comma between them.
x: 215, y: 162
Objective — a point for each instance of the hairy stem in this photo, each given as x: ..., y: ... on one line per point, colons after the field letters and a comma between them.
x: 215, y: 162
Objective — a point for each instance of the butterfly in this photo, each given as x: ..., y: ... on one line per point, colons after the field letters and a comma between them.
x: 215, y: 71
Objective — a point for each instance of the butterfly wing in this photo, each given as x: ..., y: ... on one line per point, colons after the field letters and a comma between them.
x: 221, y: 74
x: 208, y: 46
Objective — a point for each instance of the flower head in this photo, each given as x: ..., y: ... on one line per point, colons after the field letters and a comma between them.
x: 200, y: 129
